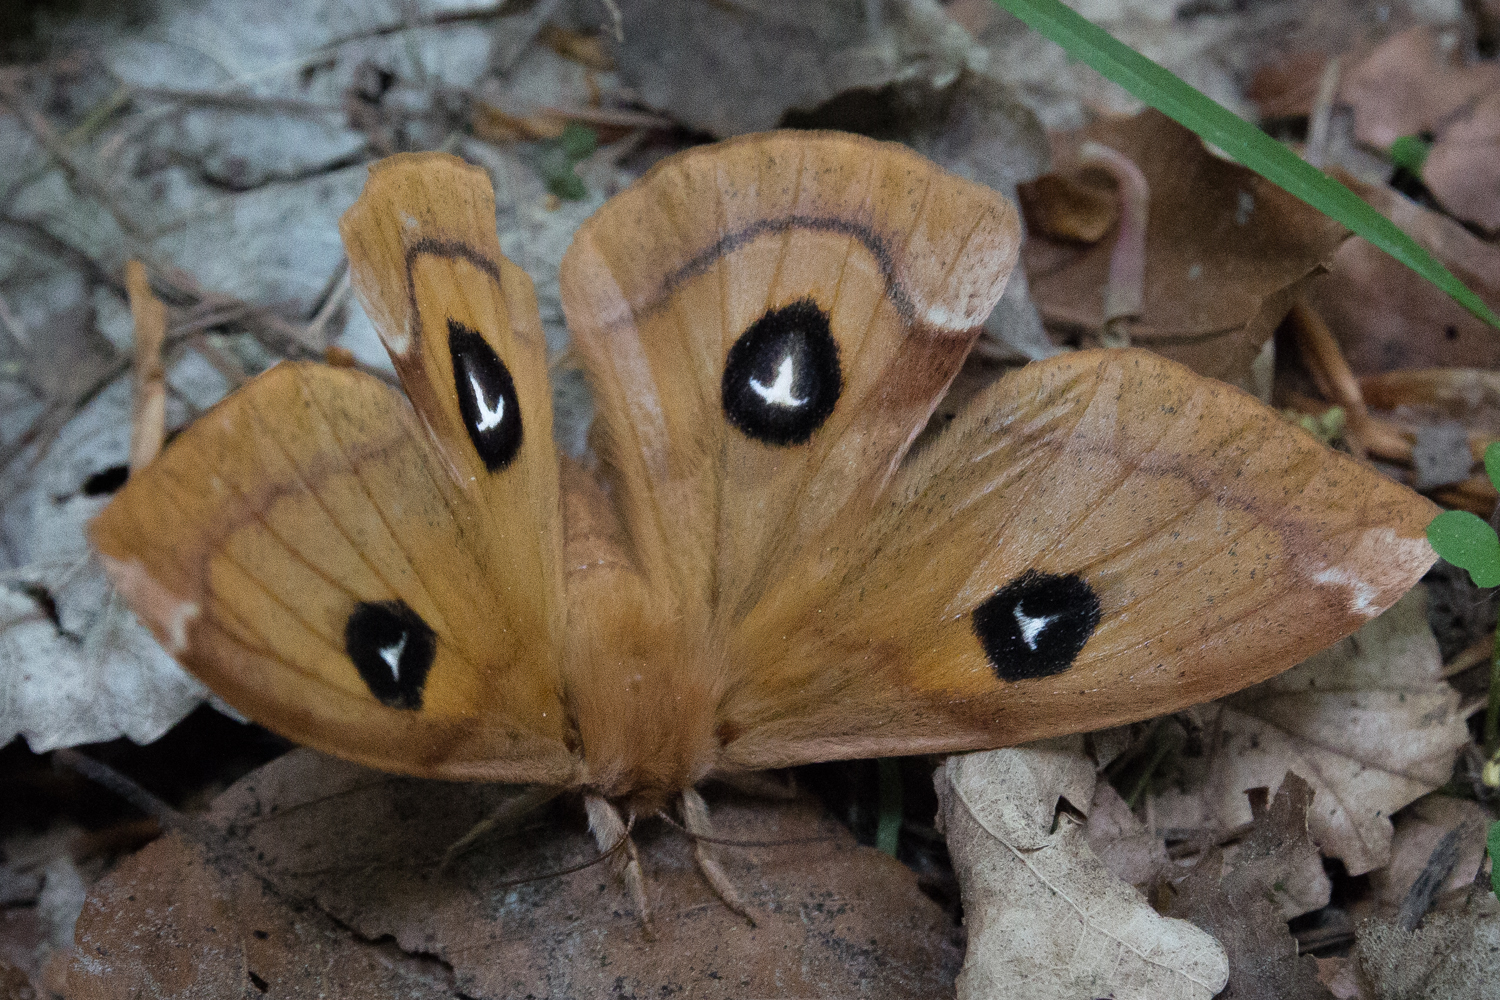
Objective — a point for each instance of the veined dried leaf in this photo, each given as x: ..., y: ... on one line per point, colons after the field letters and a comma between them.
x: 1369, y: 721
x: 1046, y: 918
x: 1451, y: 956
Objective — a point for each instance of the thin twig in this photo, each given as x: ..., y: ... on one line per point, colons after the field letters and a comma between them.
x: 1335, y: 380
x: 148, y: 421
x: 82, y: 176
x: 617, y: 18
x: 127, y: 789
x: 315, y: 332
x: 1316, y: 150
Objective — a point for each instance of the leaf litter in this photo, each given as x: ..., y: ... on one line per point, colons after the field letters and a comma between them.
x: 268, y: 886
x: 220, y: 151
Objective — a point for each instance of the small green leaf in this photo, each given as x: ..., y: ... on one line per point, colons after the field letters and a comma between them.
x: 567, y: 185
x: 1410, y: 151
x: 1493, y: 842
x: 578, y: 141
x: 1190, y: 108
x: 1492, y: 463
x: 1467, y: 541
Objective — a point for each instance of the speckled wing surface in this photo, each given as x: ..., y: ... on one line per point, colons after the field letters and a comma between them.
x: 377, y: 577
x: 1098, y: 538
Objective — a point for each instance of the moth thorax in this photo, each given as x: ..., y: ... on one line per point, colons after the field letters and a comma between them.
x: 645, y: 722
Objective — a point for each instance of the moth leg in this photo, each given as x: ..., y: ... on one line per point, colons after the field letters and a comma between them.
x: 505, y: 817
x: 695, y: 818
x: 609, y: 828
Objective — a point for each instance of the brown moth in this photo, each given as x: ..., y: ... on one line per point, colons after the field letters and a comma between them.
x: 763, y: 574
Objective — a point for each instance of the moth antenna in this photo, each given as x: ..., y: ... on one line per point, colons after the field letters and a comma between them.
x: 726, y: 842
x: 618, y: 846
x: 505, y: 816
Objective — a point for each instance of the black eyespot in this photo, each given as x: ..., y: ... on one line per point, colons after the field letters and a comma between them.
x: 392, y: 648
x: 486, y: 397
x: 782, y: 377
x: 1036, y: 625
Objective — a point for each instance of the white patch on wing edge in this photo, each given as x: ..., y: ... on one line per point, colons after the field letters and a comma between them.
x: 167, y: 614
x: 1389, y: 562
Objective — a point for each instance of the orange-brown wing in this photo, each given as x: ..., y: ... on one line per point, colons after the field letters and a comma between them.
x: 377, y: 578
x: 305, y: 551
x: 461, y: 325
x: 766, y: 323
x: 1098, y: 538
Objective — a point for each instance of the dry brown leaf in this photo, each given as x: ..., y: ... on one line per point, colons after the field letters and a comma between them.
x: 1387, y: 318
x: 182, y: 920
x: 1288, y: 87
x: 1063, y: 207
x: 1411, y: 84
x: 358, y: 849
x: 1240, y: 901
x: 1127, y: 846
x: 1419, y: 831
x: 1463, y: 168
x: 1369, y: 722
x: 1046, y: 918
x: 1451, y: 956
x: 1226, y: 253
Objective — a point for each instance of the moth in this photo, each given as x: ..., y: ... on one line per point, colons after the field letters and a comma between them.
x: 760, y: 570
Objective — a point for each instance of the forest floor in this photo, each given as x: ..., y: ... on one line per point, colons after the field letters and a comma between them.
x: 1326, y: 829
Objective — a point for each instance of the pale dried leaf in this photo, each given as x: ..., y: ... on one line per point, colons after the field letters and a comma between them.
x: 1419, y: 830
x: 1369, y: 722
x: 1463, y: 168
x: 1411, y: 84
x: 95, y: 674
x: 1046, y: 918
x: 1451, y: 956
x: 1127, y: 847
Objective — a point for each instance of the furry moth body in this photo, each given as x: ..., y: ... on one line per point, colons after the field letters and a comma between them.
x: 761, y: 574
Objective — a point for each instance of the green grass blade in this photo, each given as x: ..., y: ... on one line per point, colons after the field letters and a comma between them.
x: 888, y: 830
x: 1493, y: 842
x: 1238, y: 138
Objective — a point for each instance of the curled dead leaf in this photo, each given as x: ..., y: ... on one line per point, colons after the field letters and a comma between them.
x: 1226, y: 253
x: 1370, y: 722
x: 1046, y: 918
